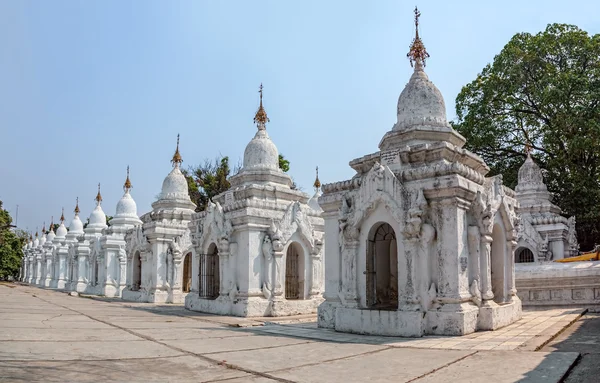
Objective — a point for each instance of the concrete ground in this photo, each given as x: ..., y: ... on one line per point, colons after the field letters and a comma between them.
x: 583, y: 337
x: 49, y: 336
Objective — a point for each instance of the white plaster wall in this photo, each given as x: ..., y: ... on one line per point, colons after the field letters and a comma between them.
x: 332, y: 263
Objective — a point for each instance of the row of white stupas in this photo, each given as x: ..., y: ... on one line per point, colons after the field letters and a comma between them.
x: 418, y: 242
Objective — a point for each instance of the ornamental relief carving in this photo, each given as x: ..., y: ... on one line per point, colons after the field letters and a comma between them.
x: 213, y: 227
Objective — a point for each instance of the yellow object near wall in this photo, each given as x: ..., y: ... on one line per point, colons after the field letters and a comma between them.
x: 592, y: 256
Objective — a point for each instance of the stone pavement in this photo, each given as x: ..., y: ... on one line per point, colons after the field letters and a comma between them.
x: 582, y: 337
x: 49, y: 336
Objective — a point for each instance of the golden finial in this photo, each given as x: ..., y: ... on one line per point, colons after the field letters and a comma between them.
x: 127, y: 184
x: 417, y: 53
x: 62, y: 215
x: 51, y: 223
x: 77, y: 206
x: 98, y: 198
x: 44, y: 228
x: 36, y: 232
x: 528, y: 149
x: 176, y: 160
x: 30, y: 237
x: 261, y: 119
x: 317, y: 183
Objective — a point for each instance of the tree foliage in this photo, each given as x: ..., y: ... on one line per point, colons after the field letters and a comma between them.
x: 284, y: 164
x: 207, y: 180
x: 544, y: 90
x: 11, y: 246
x: 212, y: 178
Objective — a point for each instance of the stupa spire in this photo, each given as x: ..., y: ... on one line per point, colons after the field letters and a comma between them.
x: 127, y: 184
x: 260, y: 118
x: 417, y: 53
x: 317, y: 184
x: 177, y: 160
x: 77, y: 206
x: 44, y: 228
x: 62, y: 215
x: 98, y: 198
x: 51, y: 224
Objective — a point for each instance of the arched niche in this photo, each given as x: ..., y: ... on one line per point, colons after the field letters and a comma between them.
x: 186, y: 283
x: 524, y: 255
x: 136, y: 276
x: 209, y: 273
x: 382, y: 268
x: 295, y: 271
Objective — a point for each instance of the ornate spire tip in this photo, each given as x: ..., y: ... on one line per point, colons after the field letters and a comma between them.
x: 98, y: 198
x: 176, y: 160
x: 77, y: 206
x: 261, y: 118
x: 417, y: 53
x: 317, y: 183
x: 62, y: 215
x: 127, y: 184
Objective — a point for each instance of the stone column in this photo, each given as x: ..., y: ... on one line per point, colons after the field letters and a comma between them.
x: 453, y: 281
x: 408, y: 299
x: 223, y: 264
x: 486, y: 267
x: 315, y: 286
x: 474, y: 240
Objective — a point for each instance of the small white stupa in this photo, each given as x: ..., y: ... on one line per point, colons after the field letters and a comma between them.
x: 113, y: 245
x: 60, y: 254
x: 259, y: 243
x: 156, y: 276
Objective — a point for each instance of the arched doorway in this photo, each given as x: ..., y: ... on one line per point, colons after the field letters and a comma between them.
x: 187, y: 273
x: 136, y: 280
x: 209, y: 281
x: 294, y: 272
x: 524, y: 255
x: 382, y: 268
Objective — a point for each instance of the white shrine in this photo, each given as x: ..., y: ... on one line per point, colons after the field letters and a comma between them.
x: 155, y: 250
x: 419, y: 241
x: 257, y: 247
x: 542, y: 233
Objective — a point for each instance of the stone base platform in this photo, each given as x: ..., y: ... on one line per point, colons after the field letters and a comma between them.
x: 156, y: 296
x: 449, y: 319
x: 558, y: 284
x: 252, y: 306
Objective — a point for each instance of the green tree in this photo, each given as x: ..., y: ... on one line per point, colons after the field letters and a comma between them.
x: 11, y: 246
x: 284, y: 164
x: 208, y: 180
x: 544, y: 90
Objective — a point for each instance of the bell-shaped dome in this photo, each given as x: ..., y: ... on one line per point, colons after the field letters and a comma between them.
x: 36, y: 242
x: 126, y: 207
x: 50, y: 235
x: 174, y: 186
x: 174, y: 192
x: 530, y: 176
x: 97, y: 218
x: 261, y: 153
x: 61, y: 232
x: 76, y: 226
x: 421, y: 103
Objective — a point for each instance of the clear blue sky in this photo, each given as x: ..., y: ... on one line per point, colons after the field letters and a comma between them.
x: 88, y: 87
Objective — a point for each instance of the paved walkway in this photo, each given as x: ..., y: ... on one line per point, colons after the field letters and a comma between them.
x: 49, y: 336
